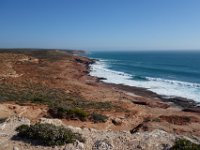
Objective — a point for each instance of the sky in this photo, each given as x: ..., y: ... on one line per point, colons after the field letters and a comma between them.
x: 100, y: 24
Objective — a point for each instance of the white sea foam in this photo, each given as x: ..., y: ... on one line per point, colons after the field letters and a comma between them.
x: 170, y: 88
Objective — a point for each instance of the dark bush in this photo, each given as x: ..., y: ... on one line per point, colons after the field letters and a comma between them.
x: 101, y: 105
x: 78, y: 113
x: 183, y: 144
x: 2, y: 120
x: 95, y: 117
x: 48, y: 134
x: 72, y: 113
x: 98, y: 105
x: 39, y: 100
x: 22, y: 130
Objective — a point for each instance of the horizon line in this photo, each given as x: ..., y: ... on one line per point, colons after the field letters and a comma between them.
x: 101, y: 49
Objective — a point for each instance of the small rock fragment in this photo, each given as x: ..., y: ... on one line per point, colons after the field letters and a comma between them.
x: 15, y: 148
x: 117, y: 121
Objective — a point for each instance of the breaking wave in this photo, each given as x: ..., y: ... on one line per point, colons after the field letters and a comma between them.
x: 169, y: 88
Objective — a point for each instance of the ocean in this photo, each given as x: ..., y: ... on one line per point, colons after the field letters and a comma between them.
x: 170, y: 74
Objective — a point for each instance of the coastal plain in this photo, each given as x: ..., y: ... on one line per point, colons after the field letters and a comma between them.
x: 34, y: 82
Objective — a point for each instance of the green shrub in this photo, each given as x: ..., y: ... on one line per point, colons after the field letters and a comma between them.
x: 58, y: 112
x: 22, y: 130
x: 48, y: 134
x: 39, y: 100
x: 97, y: 105
x: 183, y: 144
x: 101, y: 105
x: 78, y: 113
x: 72, y: 113
x: 95, y: 117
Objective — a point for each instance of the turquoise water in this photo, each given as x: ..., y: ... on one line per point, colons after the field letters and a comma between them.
x: 167, y: 73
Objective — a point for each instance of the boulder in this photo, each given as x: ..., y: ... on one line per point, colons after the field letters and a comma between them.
x: 116, y: 121
x: 56, y: 122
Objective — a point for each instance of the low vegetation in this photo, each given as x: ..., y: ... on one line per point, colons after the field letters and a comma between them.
x: 72, y: 113
x: 42, y: 94
x: 27, y: 91
x: 61, y: 105
x: 95, y: 117
x: 48, y: 134
x: 44, y: 54
x: 183, y: 144
x: 76, y: 113
x: 99, y: 106
x: 178, y: 120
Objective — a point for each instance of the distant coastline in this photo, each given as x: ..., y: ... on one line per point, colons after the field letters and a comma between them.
x: 185, y: 103
x: 170, y: 79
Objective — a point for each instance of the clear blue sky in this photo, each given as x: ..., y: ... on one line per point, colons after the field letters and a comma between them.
x: 100, y: 24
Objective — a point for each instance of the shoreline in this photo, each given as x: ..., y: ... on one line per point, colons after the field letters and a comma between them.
x: 54, y: 79
x: 187, y: 105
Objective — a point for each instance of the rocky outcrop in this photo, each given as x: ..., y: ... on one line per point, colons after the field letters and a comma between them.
x: 7, y: 130
x: 56, y: 122
x: 101, y: 140
x: 95, y: 139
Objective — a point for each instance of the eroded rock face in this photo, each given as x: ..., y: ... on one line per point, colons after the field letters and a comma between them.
x: 7, y: 130
x: 155, y: 140
x: 95, y: 139
x: 109, y: 140
x: 12, y: 123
